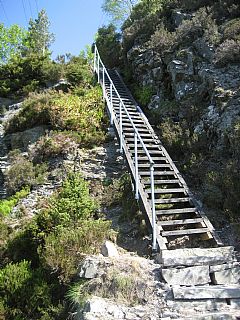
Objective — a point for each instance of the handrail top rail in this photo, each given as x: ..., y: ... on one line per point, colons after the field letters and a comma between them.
x: 122, y: 103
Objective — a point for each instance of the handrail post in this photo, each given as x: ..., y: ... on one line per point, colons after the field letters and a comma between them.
x: 136, y: 166
x: 111, y: 103
x: 121, y: 131
x: 154, y: 237
x: 98, y: 65
x: 95, y: 55
x: 103, y: 72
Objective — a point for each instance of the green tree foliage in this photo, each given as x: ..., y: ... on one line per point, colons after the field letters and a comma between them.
x: 39, y: 38
x: 109, y: 46
x: 12, y: 40
x: 118, y: 10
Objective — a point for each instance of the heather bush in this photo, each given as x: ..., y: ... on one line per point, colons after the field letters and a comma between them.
x: 232, y: 30
x: 22, y: 173
x: 64, y: 249
x: 25, y: 292
x: 227, y: 52
x: 53, y: 145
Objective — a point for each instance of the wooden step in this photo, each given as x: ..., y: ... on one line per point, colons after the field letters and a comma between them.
x: 180, y: 222
x: 157, y: 165
x: 164, y: 191
x: 158, y: 182
x: 139, y: 145
x: 172, y: 200
x: 175, y: 211
x: 154, y: 158
x: 131, y: 134
x: 183, y: 232
x: 157, y: 173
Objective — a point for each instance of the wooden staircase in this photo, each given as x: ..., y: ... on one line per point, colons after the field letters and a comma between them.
x: 176, y: 213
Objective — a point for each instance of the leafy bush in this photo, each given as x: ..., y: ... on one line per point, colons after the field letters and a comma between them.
x: 227, y: 52
x: 23, y: 173
x: 81, y: 113
x: 7, y: 205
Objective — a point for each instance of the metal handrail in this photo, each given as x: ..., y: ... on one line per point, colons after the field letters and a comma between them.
x: 137, y: 136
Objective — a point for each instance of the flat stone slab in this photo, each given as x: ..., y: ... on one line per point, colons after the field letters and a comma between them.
x: 197, y: 305
x: 206, y: 292
x: 235, y: 304
x: 229, y: 276
x: 187, y: 276
x: 224, y: 266
x: 196, y: 256
x: 213, y: 316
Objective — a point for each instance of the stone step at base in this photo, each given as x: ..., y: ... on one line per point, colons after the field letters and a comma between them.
x: 212, y: 316
x: 228, y: 276
x: 211, y: 305
x: 196, y: 256
x: 206, y: 292
x: 184, y: 276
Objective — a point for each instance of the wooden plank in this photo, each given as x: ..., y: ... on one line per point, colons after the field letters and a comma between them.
x: 159, y: 182
x: 151, y: 152
x: 175, y: 211
x: 179, y: 222
x: 165, y: 191
x: 154, y: 158
x: 172, y: 200
x: 183, y: 232
x: 157, y: 173
x: 157, y: 165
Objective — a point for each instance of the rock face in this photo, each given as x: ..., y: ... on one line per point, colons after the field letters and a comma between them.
x: 21, y: 140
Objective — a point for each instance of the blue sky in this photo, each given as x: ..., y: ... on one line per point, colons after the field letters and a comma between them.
x: 74, y: 22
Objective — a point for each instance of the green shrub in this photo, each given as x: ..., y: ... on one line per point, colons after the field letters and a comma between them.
x: 26, y: 294
x: 23, y: 173
x: 69, y: 206
x: 65, y: 248
x: 162, y: 39
x: 232, y: 30
x: 7, y: 205
x: 78, y: 72
x: 22, y: 75
x: 143, y: 94
x: 34, y: 112
x: 227, y: 52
